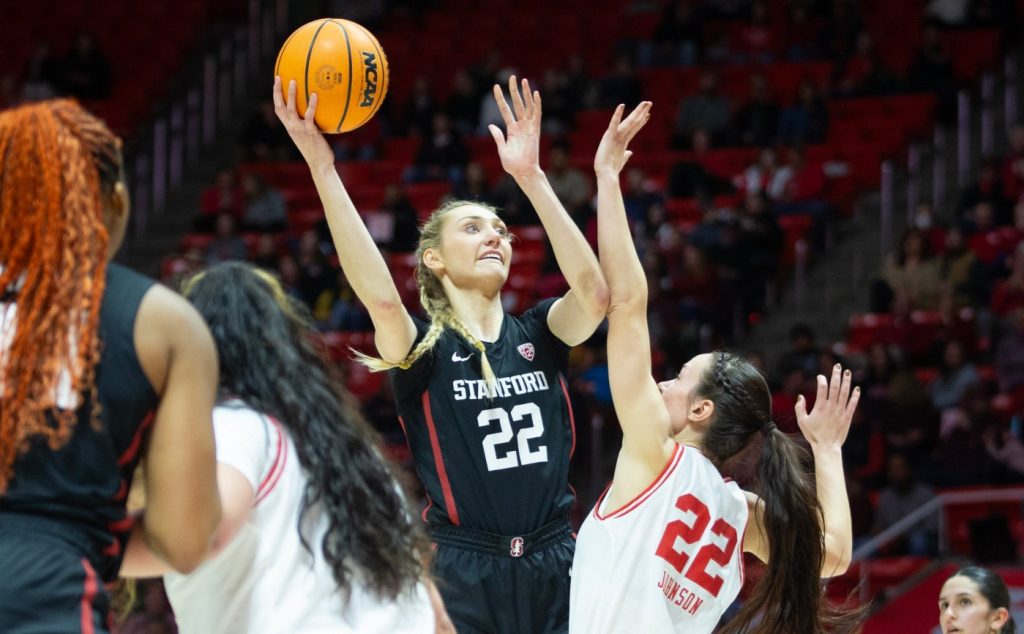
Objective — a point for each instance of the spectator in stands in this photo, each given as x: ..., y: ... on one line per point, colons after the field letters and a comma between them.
x: 862, y: 73
x: 337, y: 308
x: 463, y: 103
x: 290, y: 276
x: 442, y: 154
x: 864, y: 451
x: 761, y: 239
x: 755, y: 41
x: 708, y: 109
x: 690, y: 177
x: 932, y: 71
x: 962, y: 274
x: 263, y: 138
x: 1008, y: 294
x: 803, y: 186
x: 420, y: 108
x: 475, y: 185
x: 806, y: 121
x: 802, y: 34
x: 980, y: 219
x: 404, y: 220
x: 315, y: 274
x: 570, y: 185
x: 765, y: 176
x: 560, y: 102
x: 902, y: 495
x: 1010, y: 355
x: 895, y: 396
x: 228, y: 244
x: 265, y: 208
x: 988, y: 189
x: 913, y: 271
x: 975, y: 600
x: 42, y: 77
x: 957, y: 376
x: 757, y: 121
x: 639, y: 195
x: 223, y: 196
x: 677, y: 38
x: 803, y: 351
x: 621, y: 85
x: 1007, y: 452
x: 489, y: 113
x: 266, y: 252
x: 86, y: 70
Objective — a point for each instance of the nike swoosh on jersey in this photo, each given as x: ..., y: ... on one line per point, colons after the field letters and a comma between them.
x: 456, y: 358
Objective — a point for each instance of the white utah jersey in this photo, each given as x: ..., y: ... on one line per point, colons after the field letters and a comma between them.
x: 671, y: 560
x: 265, y: 581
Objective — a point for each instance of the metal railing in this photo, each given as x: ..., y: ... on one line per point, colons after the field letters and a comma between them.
x: 938, y: 504
x: 167, y: 147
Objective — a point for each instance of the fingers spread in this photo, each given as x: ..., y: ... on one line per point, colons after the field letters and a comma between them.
x: 517, y: 99
x: 310, y: 116
x: 506, y: 114
x: 291, y: 96
x: 278, y: 99
x: 499, y: 138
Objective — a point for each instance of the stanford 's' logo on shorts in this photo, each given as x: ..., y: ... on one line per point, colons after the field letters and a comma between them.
x: 526, y: 350
x: 517, y: 544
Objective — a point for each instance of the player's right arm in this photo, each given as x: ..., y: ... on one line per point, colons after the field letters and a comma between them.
x: 362, y: 262
x: 646, y: 430
x: 178, y: 356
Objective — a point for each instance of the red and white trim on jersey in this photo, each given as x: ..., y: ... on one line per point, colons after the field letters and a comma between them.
x: 89, y: 589
x: 666, y: 472
x: 442, y: 473
x: 136, y: 443
x: 572, y: 419
x: 277, y: 467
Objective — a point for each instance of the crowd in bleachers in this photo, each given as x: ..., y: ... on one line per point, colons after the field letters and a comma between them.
x: 770, y: 118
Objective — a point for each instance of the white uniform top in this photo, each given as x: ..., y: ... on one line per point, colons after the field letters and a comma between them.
x: 265, y: 581
x: 671, y: 560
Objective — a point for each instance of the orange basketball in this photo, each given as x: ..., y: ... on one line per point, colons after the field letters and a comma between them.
x: 343, y: 64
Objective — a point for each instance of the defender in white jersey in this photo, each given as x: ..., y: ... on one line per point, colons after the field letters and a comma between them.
x: 315, y: 536
x: 662, y: 550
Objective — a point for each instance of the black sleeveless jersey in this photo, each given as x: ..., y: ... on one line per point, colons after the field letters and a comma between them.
x: 495, y: 462
x: 85, y: 483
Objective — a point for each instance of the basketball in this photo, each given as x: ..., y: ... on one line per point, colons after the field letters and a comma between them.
x: 343, y: 64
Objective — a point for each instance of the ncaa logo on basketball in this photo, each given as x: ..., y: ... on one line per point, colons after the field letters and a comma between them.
x: 526, y: 350
x: 517, y: 547
x: 369, y: 79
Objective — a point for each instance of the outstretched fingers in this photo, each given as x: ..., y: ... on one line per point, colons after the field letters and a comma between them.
x: 517, y: 99
x: 503, y: 109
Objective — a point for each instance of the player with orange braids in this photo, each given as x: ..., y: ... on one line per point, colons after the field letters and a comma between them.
x: 98, y: 366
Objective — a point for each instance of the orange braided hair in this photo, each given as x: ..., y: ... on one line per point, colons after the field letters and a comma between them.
x: 57, y: 162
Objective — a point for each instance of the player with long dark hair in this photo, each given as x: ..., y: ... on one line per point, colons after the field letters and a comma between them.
x: 98, y: 367
x: 662, y: 550
x: 975, y: 600
x: 316, y: 535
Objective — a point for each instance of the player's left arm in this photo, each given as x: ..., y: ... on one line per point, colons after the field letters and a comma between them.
x: 576, y: 316
x: 825, y: 428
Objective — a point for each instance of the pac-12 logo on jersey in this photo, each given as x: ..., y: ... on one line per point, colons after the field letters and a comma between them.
x: 526, y: 350
x: 517, y: 547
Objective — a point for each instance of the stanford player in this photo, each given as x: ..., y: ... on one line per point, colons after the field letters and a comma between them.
x: 481, y: 393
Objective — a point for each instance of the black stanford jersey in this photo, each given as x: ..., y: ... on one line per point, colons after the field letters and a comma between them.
x: 85, y: 483
x: 493, y: 462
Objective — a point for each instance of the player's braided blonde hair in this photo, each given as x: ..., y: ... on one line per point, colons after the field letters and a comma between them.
x: 435, y: 301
